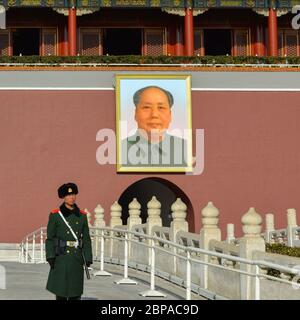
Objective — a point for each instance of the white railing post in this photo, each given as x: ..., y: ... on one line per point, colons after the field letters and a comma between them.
x: 115, y: 220
x: 154, y: 219
x: 134, y: 211
x: 291, y: 223
x: 115, y: 215
x: 22, y: 252
x: 251, y: 241
x: 179, y: 223
x: 33, y: 247
x: 96, y: 240
x: 26, y: 257
x: 188, y: 276
x: 126, y: 280
x: 269, y: 227
x: 101, y: 272
x: 230, y: 233
x: 126, y: 257
x: 152, y: 292
x: 98, y: 223
x: 152, y: 281
x: 210, y: 230
x: 101, y: 251
x: 42, y: 245
x: 257, y: 283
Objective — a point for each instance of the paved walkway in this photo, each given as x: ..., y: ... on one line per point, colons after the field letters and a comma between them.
x: 28, y: 281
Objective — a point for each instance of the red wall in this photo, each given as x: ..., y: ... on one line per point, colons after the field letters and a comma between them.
x: 252, y: 155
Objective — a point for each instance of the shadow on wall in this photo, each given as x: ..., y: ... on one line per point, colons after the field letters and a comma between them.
x: 165, y: 192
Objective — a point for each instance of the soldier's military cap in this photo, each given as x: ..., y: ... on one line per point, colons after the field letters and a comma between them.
x: 67, y: 188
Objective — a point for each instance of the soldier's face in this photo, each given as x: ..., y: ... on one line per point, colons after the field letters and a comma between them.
x: 70, y: 199
x: 153, y: 112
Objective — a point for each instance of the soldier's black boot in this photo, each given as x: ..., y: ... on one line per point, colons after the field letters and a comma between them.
x: 61, y: 298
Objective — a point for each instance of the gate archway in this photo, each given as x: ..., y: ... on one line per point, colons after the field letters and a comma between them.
x: 166, y: 193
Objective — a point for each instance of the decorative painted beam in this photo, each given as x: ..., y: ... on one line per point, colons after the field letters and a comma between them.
x: 197, y: 4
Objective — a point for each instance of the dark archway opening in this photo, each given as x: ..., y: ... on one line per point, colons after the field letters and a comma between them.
x: 125, y: 41
x: 217, y: 42
x: 26, y: 41
x: 166, y: 193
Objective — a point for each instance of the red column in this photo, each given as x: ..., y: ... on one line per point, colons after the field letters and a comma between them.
x: 259, y: 47
x: 189, y: 32
x: 273, y: 32
x: 72, y: 36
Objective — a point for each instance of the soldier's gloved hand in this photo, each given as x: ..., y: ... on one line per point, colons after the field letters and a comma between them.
x: 88, y: 263
x: 51, y: 261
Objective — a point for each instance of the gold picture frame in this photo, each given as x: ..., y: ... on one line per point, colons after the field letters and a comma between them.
x: 160, y: 102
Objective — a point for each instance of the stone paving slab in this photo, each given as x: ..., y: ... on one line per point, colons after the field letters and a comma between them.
x: 28, y: 282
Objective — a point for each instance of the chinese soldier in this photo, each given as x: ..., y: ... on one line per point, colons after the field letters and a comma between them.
x: 68, y: 245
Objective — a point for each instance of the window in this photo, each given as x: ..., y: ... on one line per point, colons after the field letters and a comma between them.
x: 4, y: 43
x: 154, y: 42
x: 288, y: 43
x: 241, y: 42
x: 49, y: 42
x: 90, y: 42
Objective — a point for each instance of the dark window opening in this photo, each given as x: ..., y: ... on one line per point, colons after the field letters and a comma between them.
x: 122, y: 41
x: 217, y: 42
x: 26, y: 42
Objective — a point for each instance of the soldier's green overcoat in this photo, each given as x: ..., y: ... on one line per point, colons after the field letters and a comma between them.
x: 66, y: 278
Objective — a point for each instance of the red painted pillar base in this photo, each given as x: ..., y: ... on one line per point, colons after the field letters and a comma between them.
x: 273, y: 33
x: 189, y: 32
x: 72, y: 32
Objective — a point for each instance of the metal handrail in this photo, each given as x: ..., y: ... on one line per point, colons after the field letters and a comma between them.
x: 33, y: 233
x: 256, y: 263
x: 207, y: 252
x: 102, y: 233
x: 24, y: 246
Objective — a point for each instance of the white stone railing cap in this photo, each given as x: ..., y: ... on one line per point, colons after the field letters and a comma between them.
x: 178, y: 205
x: 153, y: 203
x: 134, y: 205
